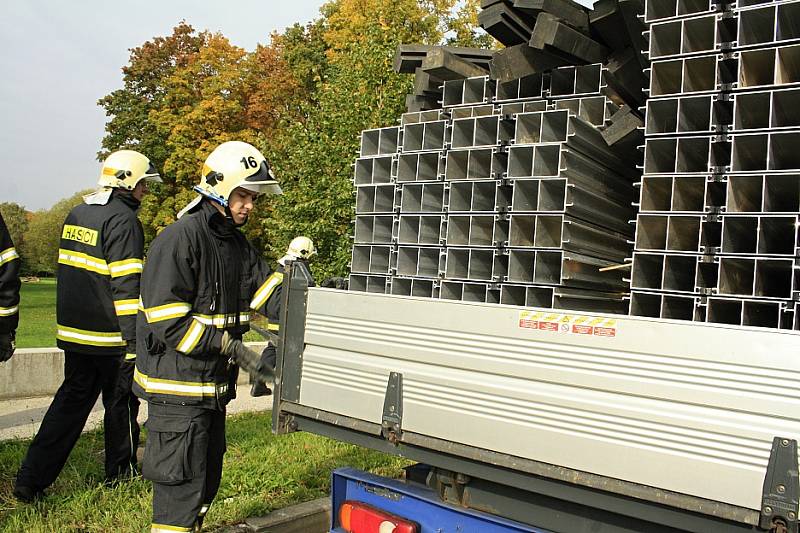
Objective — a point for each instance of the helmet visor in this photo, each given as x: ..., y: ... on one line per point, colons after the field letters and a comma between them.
x: 262, y: 181
x: 152, y: 174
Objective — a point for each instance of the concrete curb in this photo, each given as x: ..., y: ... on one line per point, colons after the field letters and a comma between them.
x: 307, y: 517
x: 34, y: 372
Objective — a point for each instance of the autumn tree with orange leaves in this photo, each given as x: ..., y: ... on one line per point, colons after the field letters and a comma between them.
x: 302, y: 98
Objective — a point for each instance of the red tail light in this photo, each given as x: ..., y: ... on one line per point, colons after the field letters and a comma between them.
x: 356, y: 517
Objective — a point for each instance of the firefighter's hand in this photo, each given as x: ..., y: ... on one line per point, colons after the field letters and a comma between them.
x: 130, y: 350
x: 335, y: 283
x: 7, y: 346
x: 268, y: 360
x: 247, y: 359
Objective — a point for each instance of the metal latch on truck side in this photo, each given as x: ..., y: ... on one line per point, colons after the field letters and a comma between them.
x: 392, y: 420
x: 779, y: 500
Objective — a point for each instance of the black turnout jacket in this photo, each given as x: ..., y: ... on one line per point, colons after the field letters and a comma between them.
x: 9, y: 281
x: 202, y: 277
x: 100, y: 260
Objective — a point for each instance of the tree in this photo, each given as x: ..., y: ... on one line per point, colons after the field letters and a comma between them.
x: 16, y: 218
x: 463, y: 29
x: 44, y: 233
x: 360, y: 91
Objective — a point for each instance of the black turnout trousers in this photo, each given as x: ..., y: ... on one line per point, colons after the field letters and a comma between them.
x: 85, y: 378
x: 121, y: 427
x: 183, y: 459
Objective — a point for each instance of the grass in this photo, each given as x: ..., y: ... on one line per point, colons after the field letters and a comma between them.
x: 262, y: 472
x: 37, y: 315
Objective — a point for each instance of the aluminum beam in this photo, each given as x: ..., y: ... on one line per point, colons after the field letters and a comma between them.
x: 420, y: 229
x: 424, y: 136
x: 422, y: 198
x: 778, y: 193
x: 691, y: 36
x: 382, y: 141
x: 420, y: 166
x: 476, y: 230
x: 474, y: 264
x: 364, y: 283
x: 422, y: 288
x: 418, y: 261
x: 487, y: 131
x: 375, y: 229
x: 470, y: 91
x: 475, y: 164
x: 374, y: 199
x: 655, y: 10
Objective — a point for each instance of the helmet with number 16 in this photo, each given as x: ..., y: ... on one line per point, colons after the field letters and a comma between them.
x: 236, y: 164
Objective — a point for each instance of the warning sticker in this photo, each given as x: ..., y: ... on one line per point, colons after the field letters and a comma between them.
x: 568, y: 324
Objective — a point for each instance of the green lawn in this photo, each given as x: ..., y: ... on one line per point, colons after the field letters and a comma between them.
x: 262, y: 472
x: 37, y: 315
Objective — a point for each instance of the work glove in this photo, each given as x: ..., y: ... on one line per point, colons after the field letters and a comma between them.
x: 268, y: 359
x: 7, y: 346
x: 335, y: 283
x: 247, y: 359
x: 130, y: 350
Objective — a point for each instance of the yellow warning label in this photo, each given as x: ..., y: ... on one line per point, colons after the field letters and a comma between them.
x: 569, y: 323
x: 79, y: 234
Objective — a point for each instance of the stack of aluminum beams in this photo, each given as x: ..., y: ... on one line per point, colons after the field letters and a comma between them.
x: 509, y: 194
x: 717, y: 232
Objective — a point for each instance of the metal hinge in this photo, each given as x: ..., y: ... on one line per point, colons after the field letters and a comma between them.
x: 392, y: 420
x: 779, y: 500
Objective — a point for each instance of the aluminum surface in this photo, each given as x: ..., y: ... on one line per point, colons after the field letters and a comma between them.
x: 684, y: 407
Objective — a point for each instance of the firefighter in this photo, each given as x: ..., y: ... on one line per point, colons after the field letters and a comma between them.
x: 201, y: 283
x: 9, y: 293
x: 300, y: 249
x: 99, y: 266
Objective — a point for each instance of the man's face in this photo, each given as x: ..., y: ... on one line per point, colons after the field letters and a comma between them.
x: 240, y: 203
x: 140, y: 190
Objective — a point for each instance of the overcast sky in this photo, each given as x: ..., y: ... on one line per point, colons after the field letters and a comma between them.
x: 60, y: 57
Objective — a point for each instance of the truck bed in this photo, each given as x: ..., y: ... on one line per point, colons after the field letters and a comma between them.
x: 679, y: 414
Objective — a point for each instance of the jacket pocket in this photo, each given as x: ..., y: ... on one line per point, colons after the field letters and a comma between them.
x: 154, y: 346
x: 166, y: 455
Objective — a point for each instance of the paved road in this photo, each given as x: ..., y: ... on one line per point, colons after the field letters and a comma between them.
x: 20, y: 419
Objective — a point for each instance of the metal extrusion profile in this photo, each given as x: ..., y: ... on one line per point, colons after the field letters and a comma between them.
x: 654, y: 400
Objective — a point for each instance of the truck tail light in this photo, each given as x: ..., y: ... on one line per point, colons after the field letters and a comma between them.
x: 356, y: 517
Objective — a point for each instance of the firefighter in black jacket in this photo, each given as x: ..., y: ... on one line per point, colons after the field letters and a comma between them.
x: 99, y: 265
x: 300, y: 249
x: 9, y: 293
x: 201, y: 283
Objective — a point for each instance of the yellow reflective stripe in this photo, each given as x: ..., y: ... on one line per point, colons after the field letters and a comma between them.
x: 165, y: 312
x: 8, y: 255
x: 273, y: 327
x: 84, y: 261
x: 169, y: 386
x: 221, y: 320
x: 90, y: 338
x: 126, y: 307
x: 9, y: 311
x: 159, y: 528
x: 126, y: 267
x: 192, y: 337
x: 266, y: 290
x: 130, y: 356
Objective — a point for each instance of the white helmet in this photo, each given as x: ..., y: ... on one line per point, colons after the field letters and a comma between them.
x: 124, y: 169
x: 300, y: 248
x: 236, y: 164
